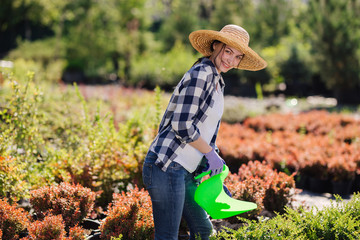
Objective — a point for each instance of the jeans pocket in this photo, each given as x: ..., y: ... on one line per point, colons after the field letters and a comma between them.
x: 147, y: 174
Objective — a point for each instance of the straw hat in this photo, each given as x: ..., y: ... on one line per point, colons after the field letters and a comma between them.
x: 232, y: 35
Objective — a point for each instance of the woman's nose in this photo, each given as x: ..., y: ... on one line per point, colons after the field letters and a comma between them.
x: 230, y: 59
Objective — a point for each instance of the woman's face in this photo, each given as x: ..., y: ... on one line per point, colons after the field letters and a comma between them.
x: 225, y: 57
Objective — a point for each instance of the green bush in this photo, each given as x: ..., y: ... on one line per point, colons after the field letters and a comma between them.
x: 12, y: 184
x: 340, y: 220
x: 53, y: 134
x: 165, y: 70
x: 21, y: 133
x: 44, y: 57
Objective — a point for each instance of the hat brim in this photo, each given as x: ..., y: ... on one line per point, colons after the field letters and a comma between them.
x: 201, y: 40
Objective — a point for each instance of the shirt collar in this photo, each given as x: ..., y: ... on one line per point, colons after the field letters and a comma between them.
x: 213, y: 68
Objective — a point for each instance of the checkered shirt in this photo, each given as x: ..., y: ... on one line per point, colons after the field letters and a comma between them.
x: 187, y: 107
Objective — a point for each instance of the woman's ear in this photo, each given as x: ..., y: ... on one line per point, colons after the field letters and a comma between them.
x: 215, y: 44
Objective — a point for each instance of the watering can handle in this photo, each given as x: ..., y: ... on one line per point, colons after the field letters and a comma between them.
x: 203, y: 174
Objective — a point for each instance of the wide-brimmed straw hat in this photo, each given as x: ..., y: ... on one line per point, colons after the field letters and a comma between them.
x: 232, y: 35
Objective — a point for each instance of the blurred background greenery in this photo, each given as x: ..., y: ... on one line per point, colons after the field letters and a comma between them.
x: 312, y: 46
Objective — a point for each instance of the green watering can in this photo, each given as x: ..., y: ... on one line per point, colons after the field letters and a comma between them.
x: 210, y: 195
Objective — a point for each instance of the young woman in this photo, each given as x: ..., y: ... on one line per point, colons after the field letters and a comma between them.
x: 185, y: 143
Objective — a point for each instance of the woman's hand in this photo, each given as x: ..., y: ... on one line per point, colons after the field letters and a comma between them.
x: 215, y: 162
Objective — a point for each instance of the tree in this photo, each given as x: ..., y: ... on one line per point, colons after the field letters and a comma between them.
x: 180, y: 18
x: 335, y: 34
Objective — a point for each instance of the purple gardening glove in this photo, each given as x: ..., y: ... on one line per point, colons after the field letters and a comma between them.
x: 215, y: 162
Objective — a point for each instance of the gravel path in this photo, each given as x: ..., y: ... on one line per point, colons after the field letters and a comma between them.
x: 319, y: 200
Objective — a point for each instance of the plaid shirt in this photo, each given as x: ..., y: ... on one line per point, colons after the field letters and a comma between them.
x: 187, y: 107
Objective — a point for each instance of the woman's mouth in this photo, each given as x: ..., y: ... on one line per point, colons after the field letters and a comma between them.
x: 226, y: 65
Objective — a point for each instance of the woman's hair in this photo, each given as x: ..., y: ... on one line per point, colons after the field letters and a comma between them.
x: 212, y: 49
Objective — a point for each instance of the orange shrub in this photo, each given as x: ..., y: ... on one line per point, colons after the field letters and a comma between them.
x: 77, y: 233
x: 251, y: 190
x: 13, y: 220
x: 72, y: 202
x: 51, y: 227
x: 280, y: 189
x: 258, y: 182
x: 314, y: 122
x: 302, y: 145
x: 130, y: 214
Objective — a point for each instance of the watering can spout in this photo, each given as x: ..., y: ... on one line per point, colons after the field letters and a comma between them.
x: 210, y: 195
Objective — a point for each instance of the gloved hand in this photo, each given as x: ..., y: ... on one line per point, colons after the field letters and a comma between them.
x: 215, y: 162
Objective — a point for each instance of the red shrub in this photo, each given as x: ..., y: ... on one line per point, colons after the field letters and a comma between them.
x: 342, y: 168
x: 13, y: 220
x: 255, y: 169
x: 314, y: 122
x: 292, y: 150
x: 130, y: 214
x: 258, y: 182
x: 251, y: 189
x: 73, y: 202
x: 279, y: 192
x: 77, y: 233
x: 51, y: 227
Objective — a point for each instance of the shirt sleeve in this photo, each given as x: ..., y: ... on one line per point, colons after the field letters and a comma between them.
x: 191, y: 93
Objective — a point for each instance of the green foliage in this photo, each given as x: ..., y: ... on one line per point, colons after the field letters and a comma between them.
x: 164, y: 70
x: 132, y: 41
x: 55, y: 134
x: 22, y: 136
x: 43, y: 57
x: 12, y: 184
x: 286, y: 58
x: 179, y: 23
x: 338, y: 221
x: 335, y: 36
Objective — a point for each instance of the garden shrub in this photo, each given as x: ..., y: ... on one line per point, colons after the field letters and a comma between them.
x: 337, y: 221
x: 129, y: 215
x: 280, y: 189
x: 12, y: 184
x: 107, y: 157
x: 22, y: 138
x: 77, y: 233
x: 317, y: 151
x: 258, y: 182
x: 98, y: 147
x: 251, y: 190
x: 51, y: 227
x: 13, y: 221
x: 165, y: 70
x: 72, y: 202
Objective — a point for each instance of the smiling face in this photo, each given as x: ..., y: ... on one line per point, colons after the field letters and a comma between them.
x: 225, y: 57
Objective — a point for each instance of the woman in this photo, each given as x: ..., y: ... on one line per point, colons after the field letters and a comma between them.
x: 185, y: 142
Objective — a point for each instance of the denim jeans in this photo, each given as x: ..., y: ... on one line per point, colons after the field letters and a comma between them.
x: 172, y: 196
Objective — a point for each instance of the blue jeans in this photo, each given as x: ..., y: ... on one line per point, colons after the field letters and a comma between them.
x: 172, y: 196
